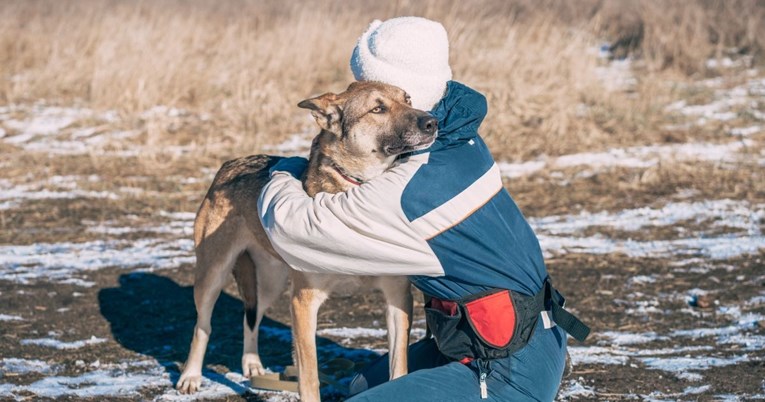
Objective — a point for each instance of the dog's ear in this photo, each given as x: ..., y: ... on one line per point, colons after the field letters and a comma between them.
x: 326, y: 110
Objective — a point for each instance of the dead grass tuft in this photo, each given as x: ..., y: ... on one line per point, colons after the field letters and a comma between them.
x: 246, y: 64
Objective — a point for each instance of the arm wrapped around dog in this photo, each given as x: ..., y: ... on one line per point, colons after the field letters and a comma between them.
x: 363, y: 231
x: 295, y: 166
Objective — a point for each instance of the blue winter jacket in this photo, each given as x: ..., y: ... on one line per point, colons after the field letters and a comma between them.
x: 494, y: 247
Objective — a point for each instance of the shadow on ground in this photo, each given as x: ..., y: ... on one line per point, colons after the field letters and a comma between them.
x: 155, y: 316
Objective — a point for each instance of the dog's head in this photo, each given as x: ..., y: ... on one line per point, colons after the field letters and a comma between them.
x: 372, y: 123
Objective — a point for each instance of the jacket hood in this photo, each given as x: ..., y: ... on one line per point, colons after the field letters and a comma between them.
x: 459, y: 113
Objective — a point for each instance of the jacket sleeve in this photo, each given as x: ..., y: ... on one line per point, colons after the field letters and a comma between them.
x: 359, y: 232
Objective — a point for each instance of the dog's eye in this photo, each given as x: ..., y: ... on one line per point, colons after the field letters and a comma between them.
x: 378, y: 110
x: 408, y: 100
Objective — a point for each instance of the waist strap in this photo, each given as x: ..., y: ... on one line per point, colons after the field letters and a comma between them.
x: 555, y: 302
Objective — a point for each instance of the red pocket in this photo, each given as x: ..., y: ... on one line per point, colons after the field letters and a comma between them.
x: 493, y: 318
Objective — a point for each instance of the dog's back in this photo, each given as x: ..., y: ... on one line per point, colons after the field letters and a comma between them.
x: 228, y: 203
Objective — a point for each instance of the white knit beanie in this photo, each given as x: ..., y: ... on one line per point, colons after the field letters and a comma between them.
x: 411, y: 53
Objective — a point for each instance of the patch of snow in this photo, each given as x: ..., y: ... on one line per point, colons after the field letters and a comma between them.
x: 639, y: 157
x: 214, y: 386
x: 45, y: 121
x: 515, y: 170
x: 62, y: 261
x: 620, y: 355
x: 61, y: 345
x: 725, y: 212
x: 657, y: 396
x: 99, y: 383
x: 705, y: 332
x: 179, y: 216
x: 7, y: 317
x: 715, y: 82
x: 665, y: 351
x: 163, y: 111
x: 745, y: 131
x: 643, y: 310
x: 755, y: 87
x: 182, y: 225
x: 697, y: 390
x: 727, y: 62
x: 731, y: 398
x: 717, y: 248
x: 96, y: 143
x: 46, y: 130
x: 25, y: 366
x: 595, y: 355
x: 575, y: 389
x: 732, y: 334
x: 352, y: 333
x: 128, y: 379
x: 689, y: 376
x: 55, y: 187
x: 684, y: 364
x: 641, y: 279
x: 756, y: 300
x: 646, y: 156
x: 628, y: 338
x: 77, y: 282
x: 749, y: 342
x: 6, y: 205
x: 723, y: 107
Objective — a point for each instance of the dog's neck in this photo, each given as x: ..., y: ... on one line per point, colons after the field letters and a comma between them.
x: 328, y: 168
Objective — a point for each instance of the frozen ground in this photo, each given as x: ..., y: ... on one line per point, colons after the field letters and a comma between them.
x: 96, y: 266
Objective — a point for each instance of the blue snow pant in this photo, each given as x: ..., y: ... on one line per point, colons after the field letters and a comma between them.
x: 533, y: 373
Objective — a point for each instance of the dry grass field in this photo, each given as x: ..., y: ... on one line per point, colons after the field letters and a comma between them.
x: 247, y: 63
x: 632, y: 134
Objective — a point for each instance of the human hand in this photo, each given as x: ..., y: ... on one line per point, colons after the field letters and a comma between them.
x: 295, y: 166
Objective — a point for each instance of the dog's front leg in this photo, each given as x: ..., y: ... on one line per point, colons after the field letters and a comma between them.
x: 304, y: 308
x: 399, y: 320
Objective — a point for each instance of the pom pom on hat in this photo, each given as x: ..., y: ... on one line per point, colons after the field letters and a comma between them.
x: 411, y: 53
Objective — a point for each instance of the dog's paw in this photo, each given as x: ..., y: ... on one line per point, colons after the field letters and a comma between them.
x: 251, y: 365
x: 189, y: 383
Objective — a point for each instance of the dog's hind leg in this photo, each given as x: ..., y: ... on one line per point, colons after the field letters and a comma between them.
x: 261, y: 279
x: 398, y: 297
x: 212, y: 274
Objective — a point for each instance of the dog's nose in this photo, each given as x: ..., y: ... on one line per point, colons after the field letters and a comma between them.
x: 427, y: 124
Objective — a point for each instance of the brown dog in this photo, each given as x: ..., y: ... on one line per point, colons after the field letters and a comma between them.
x: 364, y: 129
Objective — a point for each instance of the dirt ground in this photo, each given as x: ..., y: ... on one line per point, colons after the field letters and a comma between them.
x: 96, y: 258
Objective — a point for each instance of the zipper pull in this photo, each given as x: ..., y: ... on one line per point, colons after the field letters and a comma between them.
x: 483, y: 372
x: 484, y: 389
